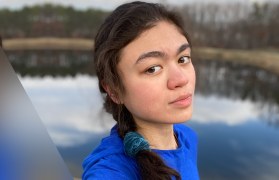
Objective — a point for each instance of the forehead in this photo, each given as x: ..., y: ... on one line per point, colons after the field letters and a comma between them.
x: 164, y: 36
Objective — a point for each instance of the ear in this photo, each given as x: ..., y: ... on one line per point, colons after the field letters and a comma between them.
x: 111, y: 94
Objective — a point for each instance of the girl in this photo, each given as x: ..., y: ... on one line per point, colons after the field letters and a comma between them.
x: 142, y: 56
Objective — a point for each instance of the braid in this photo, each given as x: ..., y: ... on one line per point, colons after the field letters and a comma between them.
x: 125, y: 121
x: 151, y: 165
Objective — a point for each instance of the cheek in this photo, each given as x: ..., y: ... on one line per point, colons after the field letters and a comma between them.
x: 193, y: 77
x: 142, y: 96
x: 142, y: 92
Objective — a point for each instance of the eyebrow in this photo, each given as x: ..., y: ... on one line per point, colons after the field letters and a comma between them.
x: 160, y: 54
x: 182, y: 48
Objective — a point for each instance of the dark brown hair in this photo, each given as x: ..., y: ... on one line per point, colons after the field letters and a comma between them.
x: 120, y: 28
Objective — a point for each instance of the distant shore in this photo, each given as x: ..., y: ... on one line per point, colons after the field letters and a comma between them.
x: 48, y: 43
x: 266, y: 59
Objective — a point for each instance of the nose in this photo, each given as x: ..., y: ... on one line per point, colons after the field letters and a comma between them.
x: 177, y: 77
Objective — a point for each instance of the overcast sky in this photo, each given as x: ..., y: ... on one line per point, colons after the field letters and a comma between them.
x: 104, y: 4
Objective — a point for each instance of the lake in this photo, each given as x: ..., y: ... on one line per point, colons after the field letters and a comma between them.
x: 236, y: 113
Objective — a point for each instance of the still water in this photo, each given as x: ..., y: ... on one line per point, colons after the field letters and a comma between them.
x: 236, y: 117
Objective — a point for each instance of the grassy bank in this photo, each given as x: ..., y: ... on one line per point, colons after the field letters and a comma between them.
x: 48, y: 44
x: 265, y: 59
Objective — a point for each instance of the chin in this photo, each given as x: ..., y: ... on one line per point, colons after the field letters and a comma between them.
x: 177, y: 119
x: 182, y: 118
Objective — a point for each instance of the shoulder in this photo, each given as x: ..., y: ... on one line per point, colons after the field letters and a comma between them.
x: 185, y: 132
x: 115, y: 166
x: 186, y: 137
x: 109, y: 161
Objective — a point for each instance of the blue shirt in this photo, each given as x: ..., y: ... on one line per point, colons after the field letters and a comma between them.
x: 109, y: 161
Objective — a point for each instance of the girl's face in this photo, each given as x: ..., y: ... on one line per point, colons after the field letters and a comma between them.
x: 158, y: 76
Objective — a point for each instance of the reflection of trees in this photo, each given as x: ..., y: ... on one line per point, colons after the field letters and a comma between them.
x: 236, y: 81
x: 270, y: 113
x: 46, y: 62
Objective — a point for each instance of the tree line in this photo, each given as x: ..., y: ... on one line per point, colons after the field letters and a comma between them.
x: 50, y: 20
x: 234, y: 25
x: 227, y: 25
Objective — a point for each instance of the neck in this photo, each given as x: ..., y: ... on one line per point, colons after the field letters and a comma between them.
x: 159, y: 136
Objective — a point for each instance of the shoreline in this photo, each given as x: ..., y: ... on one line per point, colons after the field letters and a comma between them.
x: 265, y: 59
x: 268, y: 60
x: 47, y: 43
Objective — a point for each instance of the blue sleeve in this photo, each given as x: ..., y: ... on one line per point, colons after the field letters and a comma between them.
x: 101, y: 174
x: 190, y: 137
x: 112, y: 167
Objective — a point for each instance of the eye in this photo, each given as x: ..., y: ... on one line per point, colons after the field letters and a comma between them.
x: 184, y: 59
x: 153, y: 69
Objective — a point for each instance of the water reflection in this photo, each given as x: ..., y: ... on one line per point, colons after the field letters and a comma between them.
x: 46, y: 62
x: 235, y: 116
x: 76, y: 108
x: 242, y: 84
x: 70, y: 107
x: 214, y: 109
x: 249, y: 87
x: 247, y: 151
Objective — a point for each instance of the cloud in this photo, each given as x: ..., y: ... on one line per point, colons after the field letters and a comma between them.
x: 223, y: 110
x: 59, y: 82
x: 70, y: 108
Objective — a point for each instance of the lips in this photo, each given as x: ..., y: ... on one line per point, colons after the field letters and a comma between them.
x: 182, y: 101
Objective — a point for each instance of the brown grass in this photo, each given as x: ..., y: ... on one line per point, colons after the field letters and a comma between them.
x: 48, y: 44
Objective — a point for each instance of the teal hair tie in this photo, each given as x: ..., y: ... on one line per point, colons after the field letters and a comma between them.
x: 133, y: 143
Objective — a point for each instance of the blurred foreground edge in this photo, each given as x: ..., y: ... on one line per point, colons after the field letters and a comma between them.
x: 27, y: 152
